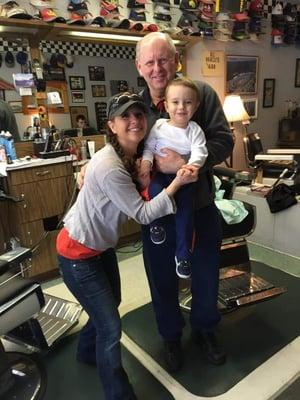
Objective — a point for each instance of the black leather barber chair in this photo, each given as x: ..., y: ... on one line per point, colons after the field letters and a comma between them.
x: 238, y: 285
x: 22, y: 375
x: 270, y: 165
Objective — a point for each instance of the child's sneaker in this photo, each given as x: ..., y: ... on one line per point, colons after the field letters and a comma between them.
x: 183, y: 268
x: 157, y: 234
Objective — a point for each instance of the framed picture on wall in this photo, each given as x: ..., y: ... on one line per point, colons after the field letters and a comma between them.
x: 78, y: 110
x: 251, y: 106
x: 2, y: 94
x: 241, y: 74
x: 98, y: 90
x: 78, y: 97
x: 77, y: 82
x: 96, y: 73
x: 297, y: 73
x: 268, y: 93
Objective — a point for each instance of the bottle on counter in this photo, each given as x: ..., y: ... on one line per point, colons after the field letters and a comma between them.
x: 10, y: 146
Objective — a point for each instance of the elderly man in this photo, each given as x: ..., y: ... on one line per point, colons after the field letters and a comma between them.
x: 157, y: 62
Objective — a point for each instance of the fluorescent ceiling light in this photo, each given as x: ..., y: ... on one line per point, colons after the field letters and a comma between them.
x: 111, y: 36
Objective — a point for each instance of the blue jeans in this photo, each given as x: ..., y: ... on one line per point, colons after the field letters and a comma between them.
x: 95, y: 282
x: 163, y: 281
x: 184, y: 217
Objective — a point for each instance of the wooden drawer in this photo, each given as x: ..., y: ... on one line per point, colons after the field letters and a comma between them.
x: 35, y: 174
x: 42, y: 199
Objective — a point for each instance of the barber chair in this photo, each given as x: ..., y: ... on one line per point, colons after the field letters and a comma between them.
x: 238, y: 286
x: 22, y: 375
x: 272, y: 164
x: 31, y: 322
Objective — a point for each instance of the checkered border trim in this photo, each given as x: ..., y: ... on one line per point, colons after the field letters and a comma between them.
x: 88, y: 49
x: 6, y: 45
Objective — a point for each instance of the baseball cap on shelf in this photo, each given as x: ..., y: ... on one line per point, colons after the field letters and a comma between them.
x: 48, y: 15
x: 9, y: 59
x: 61, y: 60
x: 11, y: 9
x: 150, y: 27
x: 188, y: 5
x: 99, y: 21
x: 22, y: 57
x: 137, y: 15
x: 69, y: 61
x: 80, y: 8
x: 120, y: 103
x: 136, y: 3
x: 136, y: 26
x: 120, y: 24
x: 76, y: 19
x: 40, y: 4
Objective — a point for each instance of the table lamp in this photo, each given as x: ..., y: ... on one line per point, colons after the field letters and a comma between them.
x: 234, y: 111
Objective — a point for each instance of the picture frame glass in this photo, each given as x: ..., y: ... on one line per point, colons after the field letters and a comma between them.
x: 75, y: 111
x: 297, y: 73
x: 241, y: 74
x: 98, y: 91
x: 251, y: 107
x: 96, y: 73
x: 77, y: 82
x: 268, y: 93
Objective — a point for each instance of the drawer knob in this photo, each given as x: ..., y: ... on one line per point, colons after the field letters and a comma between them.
x: 42, y: 173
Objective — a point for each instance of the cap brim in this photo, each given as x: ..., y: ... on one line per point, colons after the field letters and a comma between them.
x: 120, y: 111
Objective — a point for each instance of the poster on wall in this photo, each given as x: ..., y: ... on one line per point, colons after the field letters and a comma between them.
x: 241, y: 74
x: 101, y: 115
x: 212, y: 63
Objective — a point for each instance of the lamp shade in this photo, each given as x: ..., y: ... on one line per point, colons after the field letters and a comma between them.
x: 234, y: 109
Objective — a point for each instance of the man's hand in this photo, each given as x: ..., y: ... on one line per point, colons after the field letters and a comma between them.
x: 170, y: 163
x: 80, y: 176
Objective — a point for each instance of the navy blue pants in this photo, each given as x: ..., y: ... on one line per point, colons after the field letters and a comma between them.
x: 95, y: 282
x: 163, y: 281
x: 184, y: 217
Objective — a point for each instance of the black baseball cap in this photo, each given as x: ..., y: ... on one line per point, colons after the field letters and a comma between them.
x: 120, y: 103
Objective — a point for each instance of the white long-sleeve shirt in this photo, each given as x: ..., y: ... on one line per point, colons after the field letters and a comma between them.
x: 189, y: 141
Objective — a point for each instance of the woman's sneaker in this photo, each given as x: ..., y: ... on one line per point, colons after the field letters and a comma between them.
x: 157, y: 234
x: 183, y: 268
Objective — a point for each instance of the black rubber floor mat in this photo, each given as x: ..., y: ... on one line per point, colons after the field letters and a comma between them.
x: 68, y: 379
x: 292, y: 392
x: 250, y: 335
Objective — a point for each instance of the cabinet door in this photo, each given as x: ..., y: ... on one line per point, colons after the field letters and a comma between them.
x: 42, y: 199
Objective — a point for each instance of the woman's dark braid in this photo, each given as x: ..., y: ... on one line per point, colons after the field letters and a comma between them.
x: 129, y: 162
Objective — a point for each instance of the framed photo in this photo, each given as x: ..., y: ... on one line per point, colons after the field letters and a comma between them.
x: 268, y: 94
x: 98, y: 90
x: 118, y: 87
x: 96, y: 73
x: 251, y: 106
x: 78, y: 110
x: 16, y: 106
x: 77, y: 82
x: 77, y: 97
x: 297, y: 73
x: 241, y: 74
x: 2, y: 94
